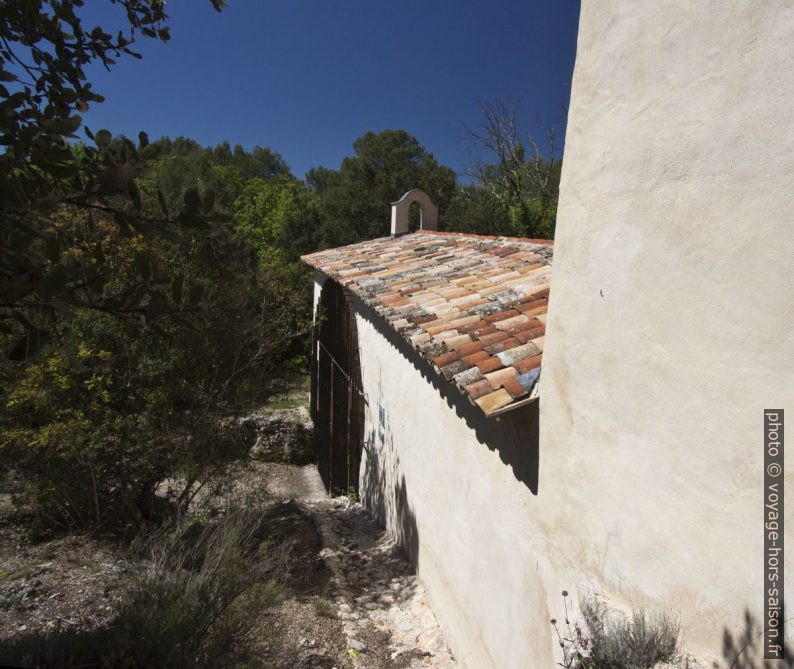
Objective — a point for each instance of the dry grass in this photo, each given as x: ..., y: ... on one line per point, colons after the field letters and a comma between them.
x: 639, y: 641
x: 607, y: 639
x: 203, y: 599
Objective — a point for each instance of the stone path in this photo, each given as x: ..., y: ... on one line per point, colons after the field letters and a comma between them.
x: 384, y: 610
x: 387, y: 618
x: 294, y: 482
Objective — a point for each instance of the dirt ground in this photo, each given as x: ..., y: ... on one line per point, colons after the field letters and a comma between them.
x: 331, y: 614
x: 72, y: 582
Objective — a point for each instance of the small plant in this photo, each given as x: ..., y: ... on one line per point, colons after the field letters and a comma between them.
x: 210, y: 585
x: 325, y: 607
x: 352, y: 496
x: 607, y: 639
x: 575, y: 646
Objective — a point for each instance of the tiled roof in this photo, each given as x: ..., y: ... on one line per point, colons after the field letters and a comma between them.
x: 474, y: 306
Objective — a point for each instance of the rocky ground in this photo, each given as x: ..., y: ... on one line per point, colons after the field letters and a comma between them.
x: 351, y: 601
x: 281, y: 431
x: 372, y: 593
x: 386, y: 616
x: 64, y: 583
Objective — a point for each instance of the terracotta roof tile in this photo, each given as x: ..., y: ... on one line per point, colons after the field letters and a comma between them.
x: 468, y: 376
x: 450, y: 295
x: 466, y: 320
x: 453, y: 369
x: 513, y: 387
x: 528, y: 379
x: 513, y: 355
x: 534, y: 310
x: 474, y: 358
x: 486, y: 330
x: 503, y: 345
x: 469, y: 348
x: 495, y: 338
x: 508, y: 323
x: 528, y: 363
x: 419, y: 339
x: 495, y: 400
x: 478, y: 389
x: 454, y: 343
x: 445, y: 359
x: 527, y: 335
x: 472, y: 327
x: 489, y: 364
x: 500, y: 316
x: 497, y: 378
x: 435, y: 326
x: 418, y: 320
x: 446, y: 334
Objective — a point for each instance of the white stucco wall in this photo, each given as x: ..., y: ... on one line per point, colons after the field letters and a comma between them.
x: 671, y: 321
x: 670, y: 330
x: 459, y: 509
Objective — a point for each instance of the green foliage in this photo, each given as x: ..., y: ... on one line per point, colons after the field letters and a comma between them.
x: 221, y: 169
x: 211, y: 588
x: 45, y: 52
x: 116, y: 294
x: 638, y: 642
x: 281, y: 217
x: 523, y: 177
x: 356, y: 198
x: 325, y: 607
x: 112, y: 407
x: 478, y: 210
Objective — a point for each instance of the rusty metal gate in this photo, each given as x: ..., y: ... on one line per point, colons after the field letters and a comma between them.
x: 337, y: 398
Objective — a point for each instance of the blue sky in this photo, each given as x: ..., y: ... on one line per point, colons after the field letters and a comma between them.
x: 307, y: 77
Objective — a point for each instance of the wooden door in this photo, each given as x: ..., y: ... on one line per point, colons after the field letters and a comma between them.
x: 337, y: 398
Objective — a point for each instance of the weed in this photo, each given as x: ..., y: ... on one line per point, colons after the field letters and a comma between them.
x: 325, y: 607
x: 610, y: 640
x: 203, y: 600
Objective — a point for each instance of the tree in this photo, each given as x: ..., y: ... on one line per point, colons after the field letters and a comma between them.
x: 523, y: 177
x: 224, y: 170
x: 112, y: 407
x: 475, y: 209
x: 44, y: 50
x: 356, y: 198
x: 115, y: 299
x: 281, y: 216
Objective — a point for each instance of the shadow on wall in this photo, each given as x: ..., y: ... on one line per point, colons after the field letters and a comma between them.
x: 745, y: 649
x: 383, y: 501
x: 514, y: 436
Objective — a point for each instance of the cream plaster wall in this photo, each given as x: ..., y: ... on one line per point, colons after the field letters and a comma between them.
x: 440, y: 483
x: 670, y: 329
x: 671, y: 321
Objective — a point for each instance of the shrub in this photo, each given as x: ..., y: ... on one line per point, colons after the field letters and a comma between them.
x: 325, y: 607
x: 110, y: 407
x: 210, y: 588
x: 610, y: 640
x: 204, y: 599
